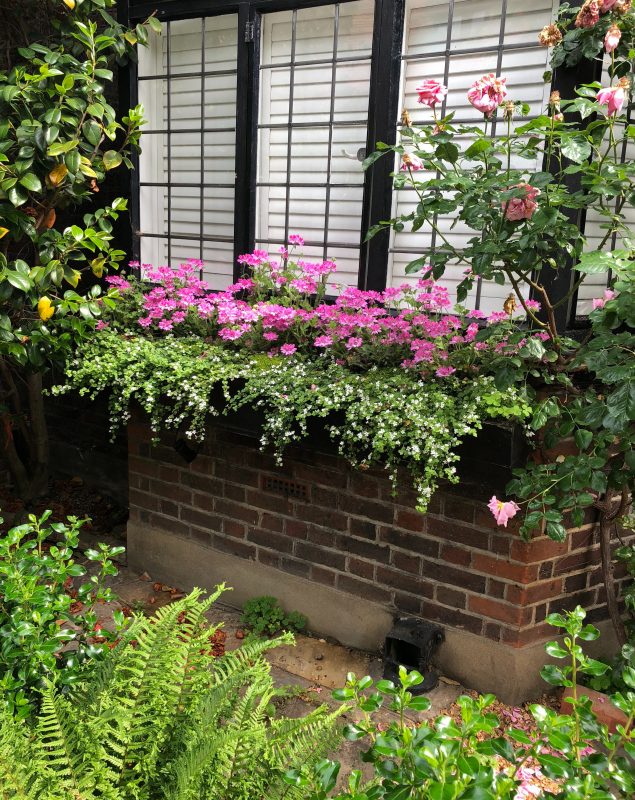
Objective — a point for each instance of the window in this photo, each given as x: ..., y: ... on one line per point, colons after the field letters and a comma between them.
x: 261, y: 111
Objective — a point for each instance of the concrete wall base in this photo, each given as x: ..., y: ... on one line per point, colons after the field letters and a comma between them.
x: 511, y: 673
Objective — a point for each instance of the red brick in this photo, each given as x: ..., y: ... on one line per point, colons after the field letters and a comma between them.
x: 321, y: 536
x: 169, y: 508
x: 234, y: 511
x: 365, y: 569
x: 455, y: 532
x: 204, y: 465
x: 324, y: 497
x: 171, y: 491
x: 537, y: 549
x: 363, y: 485
x: 486, y: 607
x: 295, y: 567
x: 365, y: 549
x: 410, y: 520
x: 536, y: 633
x: 169, y: 473
x: 407, y: 603
x: 406, y: 562
x: 272, y: 522
x: 321, y: 575
x: 583, y: 539
x: 202, y: 483
x: 412, y: 542
x: 576, y: 582
x: 233, y: 528
x: 236, y: 493
x: 202, y: 502
x: 501, y: 568
x: 335, y: 520
x: 314, y: 554
x: 362, y: 528
x: 456, y: 555
x: 576, y: 561
x: 236, y: 547
x: 450, y: 616
x: 169, y: 524
x: 369, y: 591
x: 295, y: 528
x: 143, y: 500
x: 451, y: 597
x: 143, y: 466
x: 456, y: 508
x: 201, y: 519
x: 495, y: 588
x: 269, y: 558
x: 453, y: 576
x: 270, y: 502
x: 371, y: 509
x: 404, y: 582
x: 527, y: 595
x: 492, y: 630
x: 585, y: 599
x: 269, y: 539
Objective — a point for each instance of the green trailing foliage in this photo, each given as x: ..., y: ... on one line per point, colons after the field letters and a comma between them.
x: 162, y: 719
x: 265, y: 615
x: 384, y: 416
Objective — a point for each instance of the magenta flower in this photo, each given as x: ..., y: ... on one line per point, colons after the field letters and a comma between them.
x: 165, y: 325
x: 294, y: 238
x: 411, y: 163
x: 323, y: 341
x: 613, y: 98
x: 445, y: 372
x: 502, y: 510
x: 270, y: 336
x: 607, y: 5
x: 101, y: 325
x: 612, y: 38
x: 600, y: 302
x: 487, y: 93
x: 354, y: 342
x: 533, y: 305
x: 522, y: 207
x: 288, y: 349
x: 431, y: 93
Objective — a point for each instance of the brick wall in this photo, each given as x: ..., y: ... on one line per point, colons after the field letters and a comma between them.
x: 317, y: 519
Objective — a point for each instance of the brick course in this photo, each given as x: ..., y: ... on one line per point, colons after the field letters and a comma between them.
x: 345, y: 529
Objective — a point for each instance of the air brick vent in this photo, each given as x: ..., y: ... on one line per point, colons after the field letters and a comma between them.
x: 285, y: 487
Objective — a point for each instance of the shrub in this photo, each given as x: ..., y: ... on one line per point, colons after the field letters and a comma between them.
x: 162, y: 718
x: 265, y: 615
x: 47, y: 628
x: 572, y: 754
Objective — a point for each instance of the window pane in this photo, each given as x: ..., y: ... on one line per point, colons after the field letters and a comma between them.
x: 457, y: 43
x: 187, y: 83
x: 315, y: 70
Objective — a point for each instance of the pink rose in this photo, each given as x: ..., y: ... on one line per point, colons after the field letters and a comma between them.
x: 607, y: 5
x: 613, y: 98
x: 411, y: 163
x: 522, y: 207
x: 502, y: 511
x: 589, y: 14
x: 487, y: 93
x: 612, y: 38
x: 431, y: 93
x: 600, y: 302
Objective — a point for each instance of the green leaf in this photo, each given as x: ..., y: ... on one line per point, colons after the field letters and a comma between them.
x: 31, y: 182
x: 576, y: 149
x: 112, y: 159
x: 92, y: 131
x: 19, y: 281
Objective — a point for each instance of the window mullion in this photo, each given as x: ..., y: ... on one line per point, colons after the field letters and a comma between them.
x: 382, y: 126
x: 246, y: 131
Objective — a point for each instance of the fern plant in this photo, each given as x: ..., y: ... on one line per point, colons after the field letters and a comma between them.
x: 162, y: 719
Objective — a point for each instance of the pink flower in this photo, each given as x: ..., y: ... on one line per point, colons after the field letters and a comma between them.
x: 444, y: 372
x: 229, y: 334
x: 101, y: 325
x: 613, y: 98
x: 612, y: 38
x: 411, y: 163
x: 533, y: 305
x: 165, y: 325
x: 589, y: 14
x: 288, y: 349
x: 431, y: 92
x: 270, y: 336
x: 600, y: 302
x: 502, y: 511
x: 323, y: 341
x: 522, y: 207
x: 607, y: 5
x: 295, y: 238
x: 354, y: 342
x: 487, y: 93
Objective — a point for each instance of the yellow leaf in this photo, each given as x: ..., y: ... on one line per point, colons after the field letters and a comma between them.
x: 45, y: 308
x: 72, y: 276
x: 97, y: 266
x: 69, y: 4
x: 57, y: 174
x: 3, y: 232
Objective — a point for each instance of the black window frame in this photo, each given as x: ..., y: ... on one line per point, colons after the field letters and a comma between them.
x: 383, y: 115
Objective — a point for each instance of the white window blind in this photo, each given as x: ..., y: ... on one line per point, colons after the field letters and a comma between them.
x: 187, y: 84
x: 457, y: 43
x: 314, y: 77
